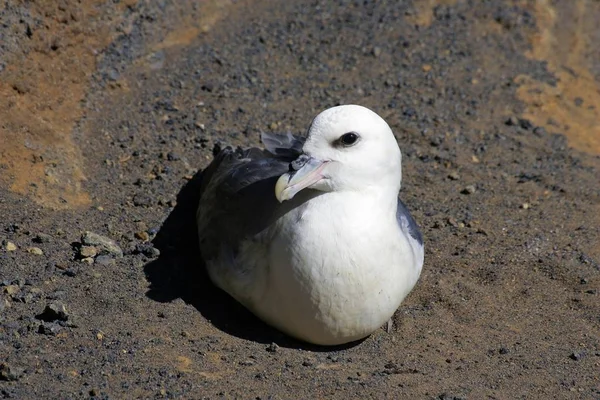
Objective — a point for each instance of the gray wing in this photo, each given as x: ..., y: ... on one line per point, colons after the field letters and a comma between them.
x: 286, y: 145
x: 237, y: 197
x: 406, y: 220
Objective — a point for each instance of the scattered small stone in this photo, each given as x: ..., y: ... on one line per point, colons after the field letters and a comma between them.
x: 143, y: 235
x: 102, y: 243
x: 87, y: 260
x: 525, y: 124
x: 10, y: 246
x: 578, y: 101
x: 55, y: 311
x: 525, y: 206
x: 11, y: 290
x: 9, y: 372
x: 469, y: 189
x: 308, y: 362
x: 512, y: 121
x: 35, y: 250
x: 272, y: 348
x: 539, y: 131
x: 49, y: 328
x: 4, y: 304
x: 20, y: 282
x: 71, y: 272
x: 454, y: 176
x: 142, y: 200
x: 503, y: 350
x: 146, y: 249
x: 577, y: 355
x: 105, y: 260
x: 436, y: 141
x: 173, y: 156
x: 87, y: 251
x: 452, y: 222
x: 42, y: 238
x: 28, y: 295
x: 376, y: 51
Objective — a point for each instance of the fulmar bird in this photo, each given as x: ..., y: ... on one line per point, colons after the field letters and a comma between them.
x: 310, y: 234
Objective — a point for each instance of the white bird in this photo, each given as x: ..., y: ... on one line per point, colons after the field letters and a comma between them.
x: 310, y: 235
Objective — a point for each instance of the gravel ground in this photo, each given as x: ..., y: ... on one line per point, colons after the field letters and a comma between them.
x: 109, y: 110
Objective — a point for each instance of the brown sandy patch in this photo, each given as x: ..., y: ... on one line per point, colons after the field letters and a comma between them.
x: 46, y: 81
x: 572, y: 106
x: 40, y: 101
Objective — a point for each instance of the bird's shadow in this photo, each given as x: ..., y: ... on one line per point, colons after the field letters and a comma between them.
x: 179, y: 272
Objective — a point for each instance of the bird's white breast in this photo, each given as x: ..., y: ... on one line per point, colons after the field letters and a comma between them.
x: 338, y: 268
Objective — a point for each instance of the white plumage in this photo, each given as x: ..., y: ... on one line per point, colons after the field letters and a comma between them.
x: 333, y: 260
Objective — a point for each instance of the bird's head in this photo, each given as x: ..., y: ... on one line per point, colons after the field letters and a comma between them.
x: 349, y: 148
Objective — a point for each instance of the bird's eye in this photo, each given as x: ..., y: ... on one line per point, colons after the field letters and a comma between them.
x: 349, y: 139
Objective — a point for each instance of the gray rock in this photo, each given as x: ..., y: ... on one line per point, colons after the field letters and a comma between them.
x: 49, y: 328
x: 88, y: 251
x: 469, y: 189
x: 10, y: 372
x: 272, y: 348
x: 103, y: 244
x: 42, y: 238
x: 105, y: 260
x: 55, y: 311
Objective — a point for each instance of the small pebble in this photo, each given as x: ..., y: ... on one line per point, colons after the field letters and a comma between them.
x: 146, y: 249
x: 35, y: 250
x: 525, y: 206
x: 452, y: 222
x: 102, y: 243
x: 105, y: 260
x: 469, y: 189
x: 50, y: 329
x: 10, y: 246
x: 454, y: 176
x: 88, y: 251
x: 11, y: 290
x: 9, y: 372
x: 42, y: 238
x: 143, y: 235
x: 272, y: 348
x: 576, y: 355
x: 55, y: 311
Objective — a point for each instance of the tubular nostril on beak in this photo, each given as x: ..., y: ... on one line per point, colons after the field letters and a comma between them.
x: 299, y: 162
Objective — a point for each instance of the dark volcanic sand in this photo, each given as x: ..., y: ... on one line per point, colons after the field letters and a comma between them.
x: 109, y: 111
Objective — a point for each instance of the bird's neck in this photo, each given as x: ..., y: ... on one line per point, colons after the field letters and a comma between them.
x: 382, y: 202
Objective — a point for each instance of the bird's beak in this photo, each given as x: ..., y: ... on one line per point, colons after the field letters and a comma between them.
x: 306, y: 172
